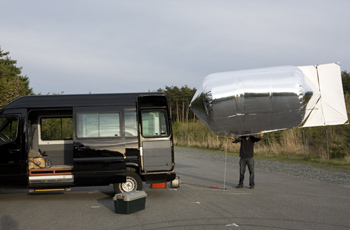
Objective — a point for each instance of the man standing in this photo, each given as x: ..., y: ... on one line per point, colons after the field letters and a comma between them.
x: 246, y: 154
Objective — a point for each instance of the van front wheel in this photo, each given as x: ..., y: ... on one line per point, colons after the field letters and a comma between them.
x: 133, y: 182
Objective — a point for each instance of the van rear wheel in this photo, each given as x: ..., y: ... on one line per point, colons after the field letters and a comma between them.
x: 133, y: 182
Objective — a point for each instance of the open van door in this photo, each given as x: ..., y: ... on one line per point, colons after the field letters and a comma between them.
x: 13, y: 163
x: 156, y: 143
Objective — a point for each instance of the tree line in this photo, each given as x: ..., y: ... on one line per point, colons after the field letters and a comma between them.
x: 179, y: 101
x: 12, y: 83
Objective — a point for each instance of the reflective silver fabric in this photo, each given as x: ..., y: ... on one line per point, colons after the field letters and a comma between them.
x: 250, y: 101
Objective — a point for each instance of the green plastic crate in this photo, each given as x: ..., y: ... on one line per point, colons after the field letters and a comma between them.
x: 129, y: 202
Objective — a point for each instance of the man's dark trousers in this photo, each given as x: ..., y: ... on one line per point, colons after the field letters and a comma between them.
x: 243, y: 162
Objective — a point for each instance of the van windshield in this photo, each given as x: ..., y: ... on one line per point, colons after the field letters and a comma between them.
x: 8, y: 128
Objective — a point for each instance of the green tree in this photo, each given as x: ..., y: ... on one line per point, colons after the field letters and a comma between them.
x: 12, y: 83
x: 187, y: 95
x: 346, y: 81
x: 179, y: 100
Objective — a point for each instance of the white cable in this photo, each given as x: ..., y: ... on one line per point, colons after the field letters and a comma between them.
x: 225, y: 164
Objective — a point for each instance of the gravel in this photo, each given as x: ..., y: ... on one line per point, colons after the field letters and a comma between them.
x: 332, y: 176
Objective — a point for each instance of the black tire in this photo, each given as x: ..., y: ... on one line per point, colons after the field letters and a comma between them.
x: 133, y: 183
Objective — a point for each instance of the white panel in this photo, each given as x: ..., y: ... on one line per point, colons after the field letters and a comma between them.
x: 332, y: 94
x: 329, y: 108
x: 316, y: 117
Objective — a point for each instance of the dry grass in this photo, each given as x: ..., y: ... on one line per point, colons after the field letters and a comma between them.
x: 347, y: 159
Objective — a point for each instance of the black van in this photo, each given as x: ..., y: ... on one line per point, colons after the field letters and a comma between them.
x: 61, y: 141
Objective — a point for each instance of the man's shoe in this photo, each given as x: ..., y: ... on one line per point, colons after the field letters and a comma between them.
x: 239, y: 186
x: 251, y: 187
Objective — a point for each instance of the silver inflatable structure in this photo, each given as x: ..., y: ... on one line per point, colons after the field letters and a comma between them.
x: 270, y: 99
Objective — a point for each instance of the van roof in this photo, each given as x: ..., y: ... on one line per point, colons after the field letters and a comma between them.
x: 82, y: 100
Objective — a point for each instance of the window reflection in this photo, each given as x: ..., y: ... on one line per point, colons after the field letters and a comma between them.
x: 154, y: 123
x: 98, y: 125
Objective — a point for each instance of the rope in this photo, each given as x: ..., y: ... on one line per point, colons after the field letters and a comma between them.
x: 48, y: 163
x: 225, y: 164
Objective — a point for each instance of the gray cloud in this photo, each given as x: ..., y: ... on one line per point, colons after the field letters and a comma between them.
x: 128, y: 46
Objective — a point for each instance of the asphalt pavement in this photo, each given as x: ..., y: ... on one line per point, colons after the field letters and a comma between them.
x: 206, y: 199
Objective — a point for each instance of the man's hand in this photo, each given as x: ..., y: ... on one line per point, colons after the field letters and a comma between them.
x: 261, y: 134
x: 232, y: 137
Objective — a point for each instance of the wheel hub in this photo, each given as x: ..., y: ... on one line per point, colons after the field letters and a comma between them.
x: 129, y: 185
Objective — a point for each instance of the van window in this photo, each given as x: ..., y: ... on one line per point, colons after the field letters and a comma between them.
x: 154, y: 123
x: 8, y: 128
x: 130, y: 124
x: 56, y: 128
x: 98, y: 125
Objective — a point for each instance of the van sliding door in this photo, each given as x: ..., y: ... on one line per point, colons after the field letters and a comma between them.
x: 99, y: 146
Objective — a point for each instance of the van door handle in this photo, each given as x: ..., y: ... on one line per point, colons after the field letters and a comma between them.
x: 14, y: 150
x: 80, y: 148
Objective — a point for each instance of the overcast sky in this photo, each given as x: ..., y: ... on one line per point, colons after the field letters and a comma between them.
x: 78, y: 46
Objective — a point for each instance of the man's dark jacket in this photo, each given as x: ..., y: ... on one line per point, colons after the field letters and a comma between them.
x: 247, y: 146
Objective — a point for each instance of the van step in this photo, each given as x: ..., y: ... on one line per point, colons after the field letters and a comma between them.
x: 50, y: 171
x: 50, y: 190
x: 39, y: 179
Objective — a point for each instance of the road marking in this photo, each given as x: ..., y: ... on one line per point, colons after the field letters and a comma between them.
x: 232, y: 225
